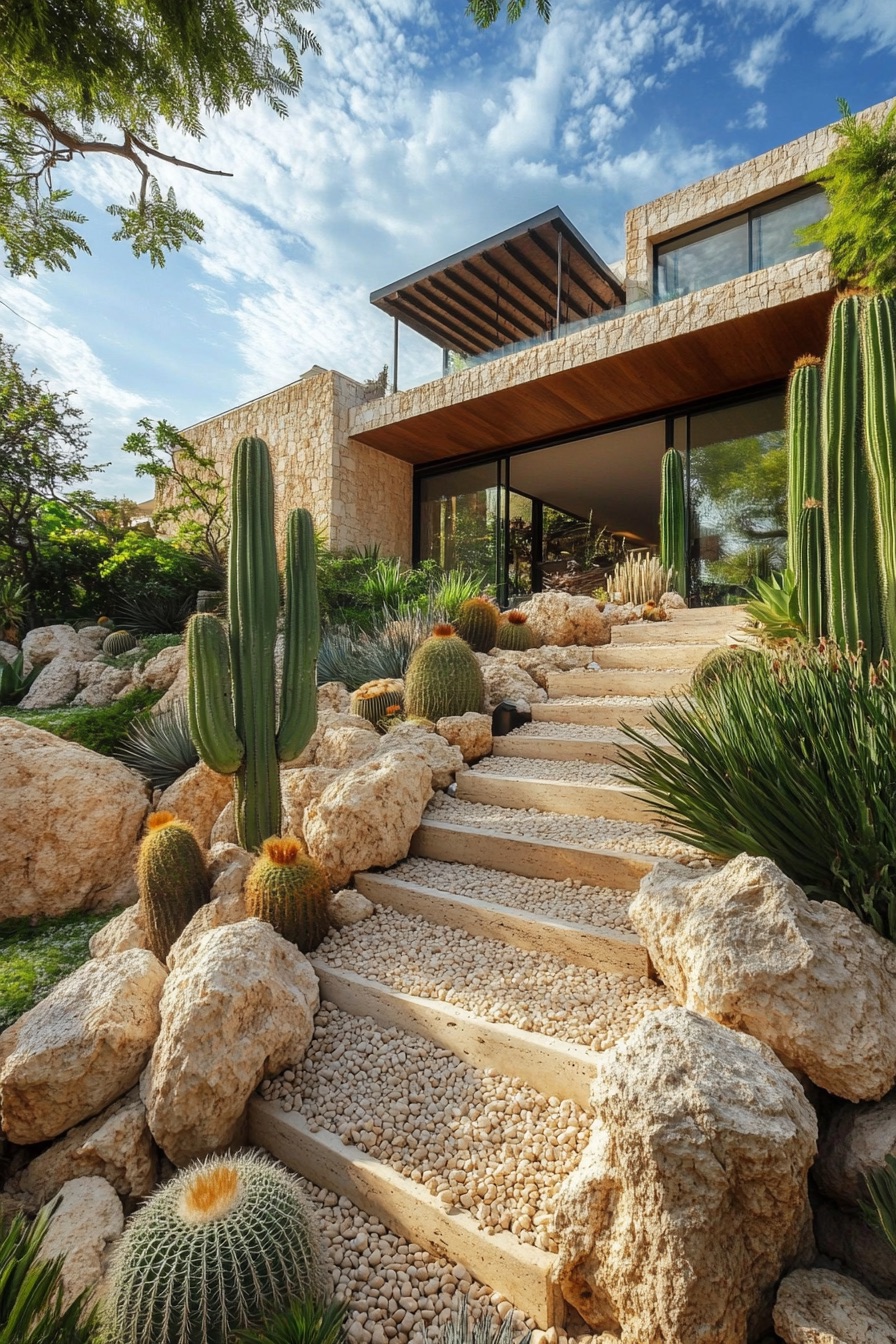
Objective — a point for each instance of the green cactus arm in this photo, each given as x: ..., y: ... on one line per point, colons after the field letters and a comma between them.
x: 301, y: 636
x: 209, y: 698
x: 879, y: 358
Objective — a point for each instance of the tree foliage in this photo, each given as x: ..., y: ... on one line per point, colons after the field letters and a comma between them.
x: 860, y: 182
x: 485, y: 12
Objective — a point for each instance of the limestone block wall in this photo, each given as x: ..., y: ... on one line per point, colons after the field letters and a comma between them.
x: 355, y: 494
x: 746, y: 184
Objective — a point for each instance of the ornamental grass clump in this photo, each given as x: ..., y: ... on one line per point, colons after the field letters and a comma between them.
x: 788, y: 755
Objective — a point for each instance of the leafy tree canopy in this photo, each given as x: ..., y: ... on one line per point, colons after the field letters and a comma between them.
x: 485, y: 12
x: 860, y: 182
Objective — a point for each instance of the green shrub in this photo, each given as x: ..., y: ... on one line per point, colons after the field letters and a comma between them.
x: 31, y: 1310
x: 34, y: 957
x: 99, y: 729
x: 305, y: 1322
x: 790, y: 756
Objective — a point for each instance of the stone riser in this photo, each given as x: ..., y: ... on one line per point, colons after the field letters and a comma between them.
x: 647, y: 656
x: 551, y: 795
x: 560, y: 749
x: 617, y: 683
x: 593, y: 716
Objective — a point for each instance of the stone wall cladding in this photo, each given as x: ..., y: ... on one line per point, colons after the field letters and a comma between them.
x: 746, y: 184
x: 355, y: 494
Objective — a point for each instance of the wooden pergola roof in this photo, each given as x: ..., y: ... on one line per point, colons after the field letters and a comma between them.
x: 513, y: 286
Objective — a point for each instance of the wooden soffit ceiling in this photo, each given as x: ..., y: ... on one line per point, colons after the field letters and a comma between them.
x: 505, y: 289
x: 726, y: 357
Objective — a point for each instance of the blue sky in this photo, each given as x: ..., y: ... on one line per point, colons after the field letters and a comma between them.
x: 416, y: 135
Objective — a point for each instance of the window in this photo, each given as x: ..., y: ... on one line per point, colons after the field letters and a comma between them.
x: 745, y: 242
x: 459, y: 519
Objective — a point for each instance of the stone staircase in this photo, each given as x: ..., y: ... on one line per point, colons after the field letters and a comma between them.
x: 501, y: 955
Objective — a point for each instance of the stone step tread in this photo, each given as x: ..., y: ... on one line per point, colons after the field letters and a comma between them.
x: 598, y: 802
x: 635, y: 682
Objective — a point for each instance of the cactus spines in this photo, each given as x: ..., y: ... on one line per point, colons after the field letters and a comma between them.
x: 375, y: 699
x: 120, y: 641
x: 233, y: 715
x: 854, y: 605
x: 878, y: 333
x: 673, y: 521
x: 515, y: 632
x: 225, y: 1245
x: 477, y: 623
x: 289, y: 889
x: 171, y: 878
x: 443, y: 677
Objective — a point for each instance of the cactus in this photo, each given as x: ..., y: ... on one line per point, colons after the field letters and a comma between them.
x: 120, y: 641
x: 805, y: 486
x: 289, y: 889
x: 878, y: 338
x: 225, y: 1245
x: 854, y: 604
x: 515, y: 632
x: 640, y: 579
x: 443, y: 677
x: 231, y: 681
x: 374, y: 699
x: 171, y: 878
x: 477, y: 623
x: 673, y: 522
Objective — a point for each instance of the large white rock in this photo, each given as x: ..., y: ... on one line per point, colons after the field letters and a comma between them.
x: 333, y: 695
x: 557, y: 618
x: 471, y: 732
x: 99, y: 684
x: 540, y: 663
x: 47, y: 642
x: 177, y: 690
x: 505, y: 681
x: 224, y: 829
x: 300, y: 787
x: 54, y: 685
x: 228, y: 868
x: 83, y: 1230
x: 817, y: 1306
x: 366, y: 817
x: 198, y: 797
x: 444, y: 760
x: 160, y: 672
x: 81, y: 1047
x: 691, y: 1198
x: 747, y: 947
x: 348, y: 907
x: 116, y: 1145
x: 125, y: 931
x: 69, y: 823
x: 240, y: 1007
x: 341, y: 746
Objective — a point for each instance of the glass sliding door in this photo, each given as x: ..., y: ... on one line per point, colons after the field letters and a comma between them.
x: 460, y: 518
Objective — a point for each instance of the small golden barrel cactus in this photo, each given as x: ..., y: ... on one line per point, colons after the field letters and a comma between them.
x: 289, y: 889
x: 172, y: 880
x: 477, y: 623
x: 375, y: 699
x: 515, y: 632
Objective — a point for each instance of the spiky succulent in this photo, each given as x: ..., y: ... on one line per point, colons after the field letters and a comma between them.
x: 375, y: 699
x: 289, y: 889
x: 443, y: 677
x: 172, y: 880
x: 120, y: 641
x: 477, y: 623
x: 515, y: 632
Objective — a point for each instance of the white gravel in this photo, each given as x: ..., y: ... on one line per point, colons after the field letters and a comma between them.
x: 475, y: 1139
x: 581, y: 732
x: 603, y: 907
x: 396, y: 1291
x: 536, y: 991
x: 566, y: 772
x: 590, y: 832
x: 610, y: 701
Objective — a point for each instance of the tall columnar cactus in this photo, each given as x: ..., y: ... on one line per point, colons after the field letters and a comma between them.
x: 225, y: 1245
x: 673, y: 522
x: 233, y: 717
x: 515, y: 632
x: 172, y: 880
x: 805, y: 487
x: 289, y: 889
x: 879, y: 366
x: 477, y: 623
x: 854, y: 599
x: 443, y: 678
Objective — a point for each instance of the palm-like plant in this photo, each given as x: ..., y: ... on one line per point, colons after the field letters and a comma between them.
x: 31, y: 1303
x: 306, y: 1322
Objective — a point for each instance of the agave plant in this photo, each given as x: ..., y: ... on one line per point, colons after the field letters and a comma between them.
x: 13, y: 596
x: 489, y: 1329
x: 14, y: 681
x: 160, y: 748
x: 306, y: 1322
x: 384, y: 652
x: 31, y: 1309
x: 156, y: 614
x: 775, y: 607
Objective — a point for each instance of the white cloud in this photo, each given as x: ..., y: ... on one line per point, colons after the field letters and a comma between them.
x: 765, y: 53
x: 757, y: 116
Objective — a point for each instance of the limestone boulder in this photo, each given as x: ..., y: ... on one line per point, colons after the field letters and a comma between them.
x: 348, y: 907
x: 333, y: 695
x: 81, y: 1047
x: 504, y: 681
x: 300, y: 787
x: 817, y: 1306
x: 747, y: 947
x: 122, y: 933
x: 672, y: 602
x: 54, y: 685
x: 472, y: 733
x: 99, y: 684
x: 366, y: 817
x: 198, y: 797
x: 856, y: 1141
x: 558, y: 618
x: 115, y: 1145
x: 215, y: 914
x: 240, y: 1007
x: 690, y: 1201
x: 444, y: 760
x: 69, y: 823
x: 342, y: 746
x: 93, y: 635
x: 83, y: 1231
x: 177, y: 690
x: 541, y: 663
x: 47, y: 642
x: 161, y: 672
x: 228, y: 868
x: 224, y: 829
x: 10, y: 652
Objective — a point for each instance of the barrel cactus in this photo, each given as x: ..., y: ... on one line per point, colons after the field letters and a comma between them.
x: 515, y: 632
x: 120, y: 641
x: 443, y: 677
x: 289, y: 889
x: 477, y: 623
x: 375, y: 699
x: 225, y: 1245
x: 233, y: 715
x: 172, y: 880
x: 673, y: 522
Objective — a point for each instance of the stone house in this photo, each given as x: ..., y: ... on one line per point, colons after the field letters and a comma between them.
x: 565, y: 380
